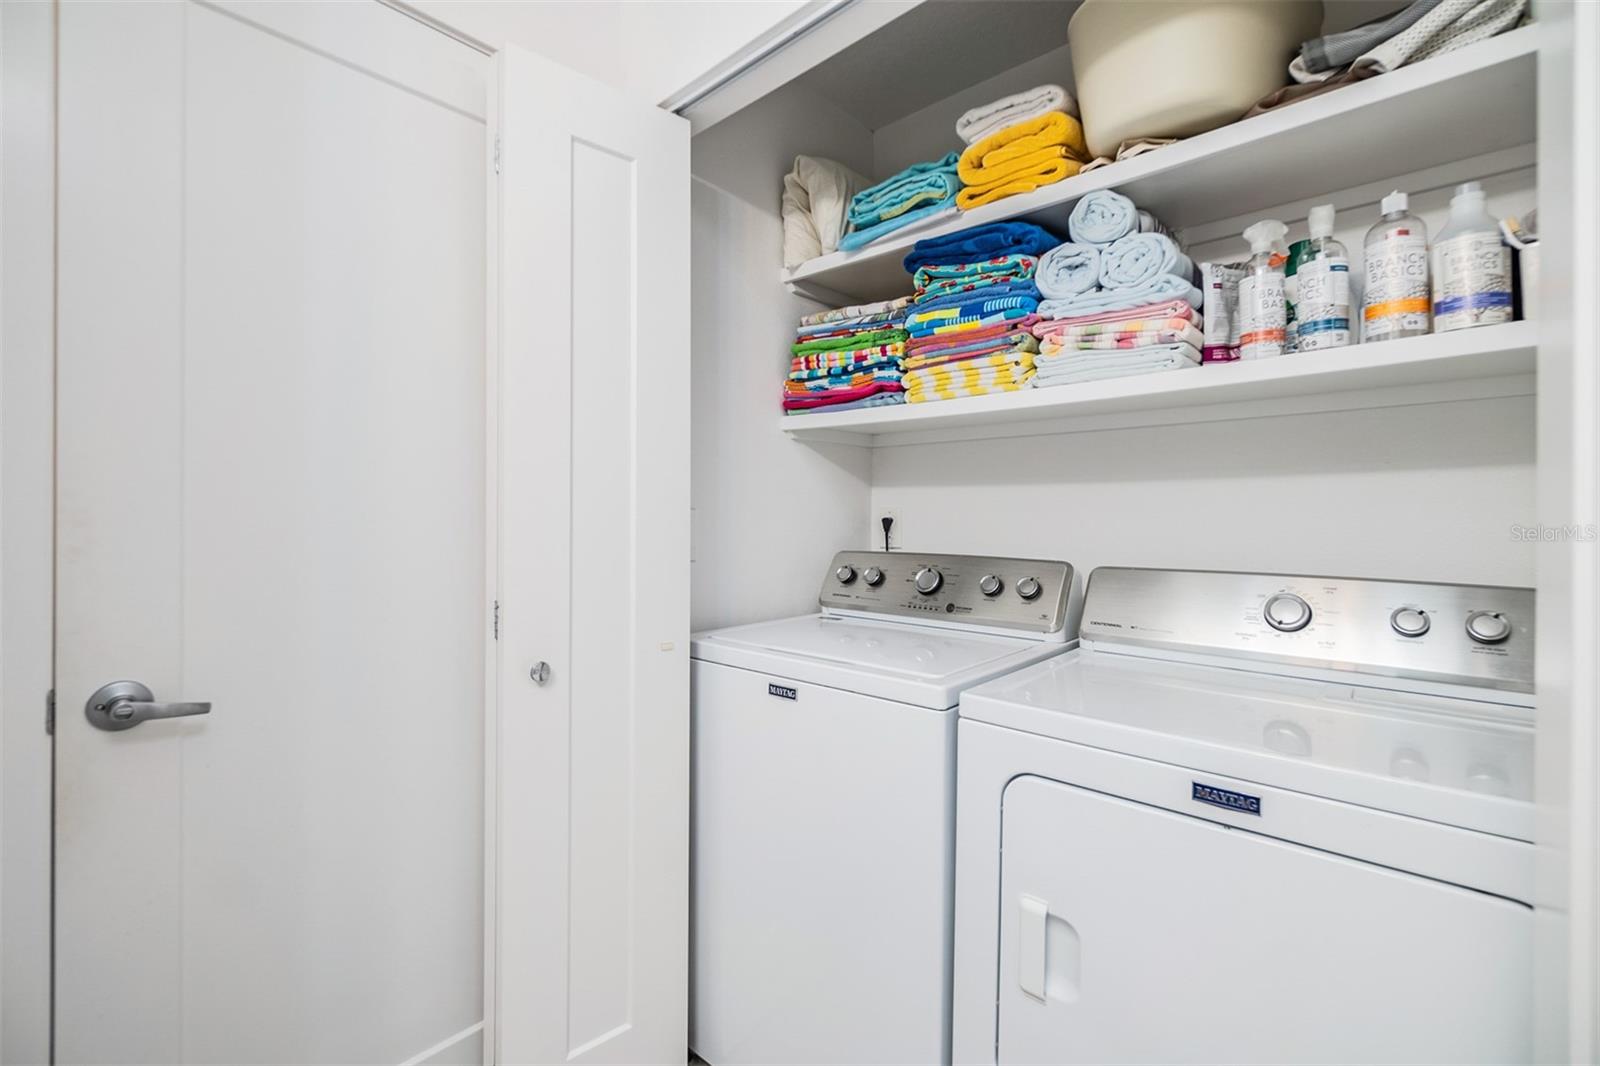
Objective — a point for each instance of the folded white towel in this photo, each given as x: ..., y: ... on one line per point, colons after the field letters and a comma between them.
x: 1072, y: 365
x: 995, y: 116
x: 816, y: 200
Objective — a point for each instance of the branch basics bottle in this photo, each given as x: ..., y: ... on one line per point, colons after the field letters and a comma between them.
x: 1397, y: 301
x: 1321, y: 294
x: 1471, y: 266
x: 1263, y: 316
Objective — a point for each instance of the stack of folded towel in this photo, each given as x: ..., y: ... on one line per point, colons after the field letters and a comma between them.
x: 969, y: 323
x: 1018, y: 144
x: 1110, y: 344
x: 848, y: 358
x: 1119, y: 258
x: 918, y: 193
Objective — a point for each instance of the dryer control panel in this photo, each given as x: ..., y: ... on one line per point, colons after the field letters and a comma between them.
x: 1024, y: 596
x: 1474, y: 635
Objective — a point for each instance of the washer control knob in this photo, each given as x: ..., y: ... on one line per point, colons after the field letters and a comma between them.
x: 1409, y: 621
x: 928, y: 580
x: 1286, y: 612
x: 872, y: 576
x: 845, y: 574
x: 1488, y: 627
x: 1029, y: 588
x: 990, y: 584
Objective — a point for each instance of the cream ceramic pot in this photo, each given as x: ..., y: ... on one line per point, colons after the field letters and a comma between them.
x: 1175, y: 68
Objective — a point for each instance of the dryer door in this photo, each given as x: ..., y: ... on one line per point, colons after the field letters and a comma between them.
x: 1130, y: 933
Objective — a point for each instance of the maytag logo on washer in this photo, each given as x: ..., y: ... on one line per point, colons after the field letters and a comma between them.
x: 1226, y: 799
x: 782, y: 691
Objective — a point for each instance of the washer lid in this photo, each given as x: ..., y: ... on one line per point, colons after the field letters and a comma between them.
x: 1455, y: 761
x: 894, y: 660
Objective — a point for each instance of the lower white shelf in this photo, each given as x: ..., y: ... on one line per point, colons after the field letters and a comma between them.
x: 1491, y: 361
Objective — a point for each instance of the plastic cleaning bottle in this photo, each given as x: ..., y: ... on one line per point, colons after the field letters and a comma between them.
x: 1397, y: 273
x: 1262, y: 313
x: 1471, y: 266
x: 1322, y: 287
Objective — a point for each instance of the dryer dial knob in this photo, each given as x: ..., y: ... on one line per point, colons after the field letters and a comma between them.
x: 845, y: 574
x: 1286, y: 612
x: 1409, y: 621
x: 990, y: 584
x: 1029, y: 588
x: 1488, y: 627
x: 873, y: 576
x: 928, y: 580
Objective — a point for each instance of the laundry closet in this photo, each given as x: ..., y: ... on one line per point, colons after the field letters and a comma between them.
x: 1437, y: 459
x: 1418, y: 471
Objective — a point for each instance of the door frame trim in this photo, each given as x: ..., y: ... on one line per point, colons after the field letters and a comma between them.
x: 27, y: 524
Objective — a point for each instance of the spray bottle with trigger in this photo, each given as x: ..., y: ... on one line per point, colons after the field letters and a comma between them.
x: 1262, y: 313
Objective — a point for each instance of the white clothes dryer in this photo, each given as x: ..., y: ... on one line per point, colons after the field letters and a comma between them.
x: 1253, y: 818
x: 824, y: 803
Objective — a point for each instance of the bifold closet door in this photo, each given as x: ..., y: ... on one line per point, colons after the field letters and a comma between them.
x: 270, y: 507
x: 590, y: 793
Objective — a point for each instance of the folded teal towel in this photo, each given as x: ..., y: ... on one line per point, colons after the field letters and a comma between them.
x: 860, y: 238
x: 918, y: 185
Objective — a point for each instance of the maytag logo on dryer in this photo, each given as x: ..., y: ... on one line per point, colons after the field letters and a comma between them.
x: 1227, y: 799
x: 783, y: 692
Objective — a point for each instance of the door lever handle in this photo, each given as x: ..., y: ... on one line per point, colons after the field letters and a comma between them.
x: 124, y: 704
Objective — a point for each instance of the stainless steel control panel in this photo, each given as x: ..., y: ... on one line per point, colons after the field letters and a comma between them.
x: 1025, y: 595
x: 1473, y: 635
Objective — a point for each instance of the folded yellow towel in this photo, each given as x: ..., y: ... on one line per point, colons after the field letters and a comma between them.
x: 1026, y: 175
x: 1021, y: 158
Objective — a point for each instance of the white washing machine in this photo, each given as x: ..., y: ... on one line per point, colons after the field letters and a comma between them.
x: 824, y: 803
x: 1253, y: 818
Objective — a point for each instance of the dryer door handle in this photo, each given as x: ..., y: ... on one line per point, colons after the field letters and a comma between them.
x: 1033, y: 916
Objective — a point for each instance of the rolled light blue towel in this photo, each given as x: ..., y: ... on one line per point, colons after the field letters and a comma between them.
x: 1140, y: 257
x: 1159, y: 289
x: 1068, y: 269
x: 934, y: 178
x: 1101, y: 217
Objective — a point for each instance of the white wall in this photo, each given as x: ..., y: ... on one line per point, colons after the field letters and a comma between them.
x: 768, y: 512
x: 650, y: 47
x: 930, y: 132
x: 26, y: 401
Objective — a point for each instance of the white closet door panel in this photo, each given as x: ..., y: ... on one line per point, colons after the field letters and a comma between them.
x: 592, y: 797
x: 270, y: 492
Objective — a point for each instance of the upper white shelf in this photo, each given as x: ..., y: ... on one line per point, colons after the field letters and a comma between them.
x: 1467, y: 364
x: 1478, y: 100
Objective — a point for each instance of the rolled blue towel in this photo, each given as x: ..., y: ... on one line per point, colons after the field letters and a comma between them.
x: 1159, y: 289
x: 1139, y: 257
x: 1068, y: 269
x: 1101, y: 217
x: 933, y: 182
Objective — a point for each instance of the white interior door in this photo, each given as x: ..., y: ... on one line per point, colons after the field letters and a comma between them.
x: 592, y: 776
x: 271, y: 490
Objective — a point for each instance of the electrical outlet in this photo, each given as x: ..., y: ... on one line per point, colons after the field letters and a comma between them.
x: 895, y: 532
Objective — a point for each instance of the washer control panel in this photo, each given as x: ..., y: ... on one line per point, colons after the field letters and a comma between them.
x: 1026, y: 595
x: 1454, y: 634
